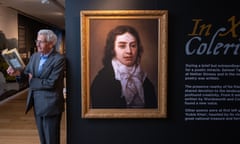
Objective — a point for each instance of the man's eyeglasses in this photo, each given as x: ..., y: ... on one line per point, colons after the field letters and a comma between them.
x: 40, y: 42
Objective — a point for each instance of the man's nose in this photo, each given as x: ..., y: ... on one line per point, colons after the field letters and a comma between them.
x: 128, y: 49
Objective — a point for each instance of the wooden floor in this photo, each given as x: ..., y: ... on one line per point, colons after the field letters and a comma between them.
x: 16, y: 127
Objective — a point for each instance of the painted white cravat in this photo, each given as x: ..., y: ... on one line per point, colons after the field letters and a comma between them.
x: 131, y: 79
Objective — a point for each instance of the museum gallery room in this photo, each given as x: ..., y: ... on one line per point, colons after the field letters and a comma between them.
x: 129, y: 71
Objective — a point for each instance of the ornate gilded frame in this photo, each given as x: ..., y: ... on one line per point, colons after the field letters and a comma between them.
x: 161, y: 18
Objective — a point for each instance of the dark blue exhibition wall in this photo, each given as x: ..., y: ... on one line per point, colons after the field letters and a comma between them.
x: 203, y: 76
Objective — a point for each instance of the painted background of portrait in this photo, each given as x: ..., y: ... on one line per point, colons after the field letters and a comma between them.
x: 148, y: 32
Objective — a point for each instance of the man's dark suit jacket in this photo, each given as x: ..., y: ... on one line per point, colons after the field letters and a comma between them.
x: 45, y: 90
x: 106, y: 91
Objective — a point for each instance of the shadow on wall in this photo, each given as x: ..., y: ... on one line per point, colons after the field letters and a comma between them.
x: 8, y: 84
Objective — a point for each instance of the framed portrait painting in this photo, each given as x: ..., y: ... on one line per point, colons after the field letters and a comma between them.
x: 124, y: 63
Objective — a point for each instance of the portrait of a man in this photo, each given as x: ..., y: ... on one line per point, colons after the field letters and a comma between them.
x: 123, y: 63
x: 122, y: 83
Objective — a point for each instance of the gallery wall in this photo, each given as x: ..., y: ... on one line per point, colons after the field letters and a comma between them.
x: 187, y: 122
x: 8, y: 22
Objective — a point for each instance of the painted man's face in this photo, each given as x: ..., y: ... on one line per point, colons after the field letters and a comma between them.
x: 126, y: 49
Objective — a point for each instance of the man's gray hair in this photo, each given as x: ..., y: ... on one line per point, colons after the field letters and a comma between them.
x: 50, y: 35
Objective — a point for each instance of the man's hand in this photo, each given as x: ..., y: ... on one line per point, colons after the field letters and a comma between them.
x: 12, y: 72
x: 29, y: 76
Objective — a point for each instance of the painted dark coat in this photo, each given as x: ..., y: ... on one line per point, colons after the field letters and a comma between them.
x: 106, y: 91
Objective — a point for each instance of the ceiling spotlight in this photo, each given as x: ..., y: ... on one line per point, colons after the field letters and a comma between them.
x: 45, y: 1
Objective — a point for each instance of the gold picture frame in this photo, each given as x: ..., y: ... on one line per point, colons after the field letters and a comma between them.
x: 152, y: 26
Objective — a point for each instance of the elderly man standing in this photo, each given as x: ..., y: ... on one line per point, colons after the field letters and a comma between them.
x: 45, y: 75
